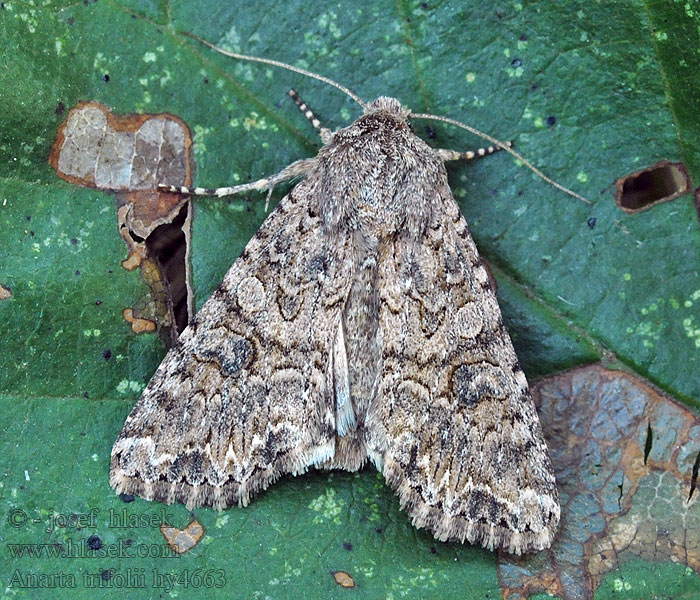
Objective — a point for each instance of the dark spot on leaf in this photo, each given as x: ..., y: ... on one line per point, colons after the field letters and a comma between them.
x: 347, y: 546
x: 106, y: 574
x: 126, y: 498
x: 591, y: 222
x: 86, y: 395
x: 433, y: 550
x: 74, y: 241
x: 206, y: 80
x: 516, y: 62
x: 523, y: 38
x: 643, y: 189
x: 106, y: 354
x: 60, y: 107
x: 94, y: 542
x: 77, y: 272
x: 70, y: 20
x: 430, y: 132
x: 128, y: 541
x: 533, y: 87
x: 98, y: 302
x: 105, y: 77
x: 379, y: 530
x: 551, y: 120
x: 424, y: 5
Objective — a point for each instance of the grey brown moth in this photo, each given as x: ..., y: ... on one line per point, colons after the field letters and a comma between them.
x: 358, y: 323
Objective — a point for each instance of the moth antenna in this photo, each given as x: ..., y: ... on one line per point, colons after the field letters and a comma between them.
x: 507, y: 148
x: 277, y: 63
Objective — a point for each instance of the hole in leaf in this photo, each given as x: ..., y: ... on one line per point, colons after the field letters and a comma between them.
x: 621, y: 487
x: 694, y: 476
x: 643, y: 189
x: 649, y: 441
x: 136, y: 237
x: 167, y: 245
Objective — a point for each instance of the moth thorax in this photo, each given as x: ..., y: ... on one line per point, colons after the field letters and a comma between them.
x: 390, y: 105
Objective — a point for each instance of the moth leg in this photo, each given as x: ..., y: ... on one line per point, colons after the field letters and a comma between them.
x: 299, y: 168
x: 446, y: 155
x: 324, y: 132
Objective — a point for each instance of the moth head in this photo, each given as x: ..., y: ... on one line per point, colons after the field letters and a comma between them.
x: 390, y: 105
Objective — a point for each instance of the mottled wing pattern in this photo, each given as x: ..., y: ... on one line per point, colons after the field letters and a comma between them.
x: 246, y: 394
x: 454, y: 428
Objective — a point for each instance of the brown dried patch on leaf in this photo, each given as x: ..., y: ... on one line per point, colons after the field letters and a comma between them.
x: 343, y: 579
x: 138, y: 324
x: 159, y: 245
x: 130, y: 155
x: 133, y: 261
x: 643, y: 189
x: 96, y: 148
x: 615, y: 505
x: 5, y: 293
x: 183, y: 540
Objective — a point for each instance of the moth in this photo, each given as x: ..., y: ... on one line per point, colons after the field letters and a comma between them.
x: 358, y: 324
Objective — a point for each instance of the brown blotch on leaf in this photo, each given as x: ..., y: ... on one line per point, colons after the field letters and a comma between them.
x: 133, y: 261
x: 138, y: 324
x: 626, y: 494
x: 5, y: 293
x: 343, y: 579
x: 183, y: 540
x: 131, y: 155
x: 160, y: 248
x: 96, y: 148
x: 643, y: 189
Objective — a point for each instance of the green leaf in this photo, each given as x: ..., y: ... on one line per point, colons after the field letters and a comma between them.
x: 620, y: 81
